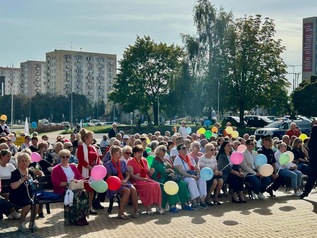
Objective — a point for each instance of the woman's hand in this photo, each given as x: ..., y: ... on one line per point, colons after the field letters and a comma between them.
x: 89, y: 167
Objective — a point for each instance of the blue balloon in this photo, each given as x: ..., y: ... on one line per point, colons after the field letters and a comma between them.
x: 206, y: 173
x: 207, y: 123
x: 260, y: 160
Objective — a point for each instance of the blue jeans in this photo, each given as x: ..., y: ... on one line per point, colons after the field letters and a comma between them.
x: 258, y: 184
x: 294, y: 175
x: 303, y: 168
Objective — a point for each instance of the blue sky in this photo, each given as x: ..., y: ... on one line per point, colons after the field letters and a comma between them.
x: 30, y: 28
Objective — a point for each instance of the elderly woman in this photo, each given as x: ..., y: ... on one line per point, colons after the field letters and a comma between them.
x: 69, y: 146
x: 289, y: 170
x: 117, y: 167
x: 44, y: 165
x: 62, y: 175
x: 54, y: 158
x: 88, y: 157
x: 195, y: 153
x: 215, y: 184
x: 187, y: 167
x: 126, y: 153
x: 22, y: 185
x: 232, y: 174
x: 148, y: 189
x: 164, y: 171
x: 300, y: 158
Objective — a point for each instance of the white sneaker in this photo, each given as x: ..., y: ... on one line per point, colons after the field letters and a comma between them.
x: 15, y: 215
x: 22, y: 227
x: 254, y: 195
x: 297, y: 194
x: 261, y: 196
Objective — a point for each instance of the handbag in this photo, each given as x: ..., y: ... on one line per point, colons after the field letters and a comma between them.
x: 76, y: 184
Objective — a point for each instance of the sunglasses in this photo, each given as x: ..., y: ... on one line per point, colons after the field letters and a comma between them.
x: 212, y: 149
x: 65, y: 156
x: 183, y: 148
x: 69, y: 147
x: 128, y: 153
x: 163, y: 150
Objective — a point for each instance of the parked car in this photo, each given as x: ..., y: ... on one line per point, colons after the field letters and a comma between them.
x: 278, y: 128
x: 235, y: 121
x: 257, y: 121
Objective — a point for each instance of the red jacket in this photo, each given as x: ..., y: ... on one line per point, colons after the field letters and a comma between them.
x: 59, y: 176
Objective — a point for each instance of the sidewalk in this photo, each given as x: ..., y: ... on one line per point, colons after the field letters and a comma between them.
x: 282, y: 216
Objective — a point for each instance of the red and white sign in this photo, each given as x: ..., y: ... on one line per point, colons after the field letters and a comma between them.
x: 308, y: 47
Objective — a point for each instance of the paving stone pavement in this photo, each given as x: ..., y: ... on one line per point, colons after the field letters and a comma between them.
x: 282, y: 216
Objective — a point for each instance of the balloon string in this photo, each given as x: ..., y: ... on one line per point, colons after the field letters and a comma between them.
x: 224, y: 167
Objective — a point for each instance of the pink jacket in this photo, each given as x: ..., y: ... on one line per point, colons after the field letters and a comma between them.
x: 59, y: 176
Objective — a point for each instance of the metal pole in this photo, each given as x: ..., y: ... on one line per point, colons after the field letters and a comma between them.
x: 218, y: 99
x: 158, y: 109
x: 12, y: 120
x: 71, y: 103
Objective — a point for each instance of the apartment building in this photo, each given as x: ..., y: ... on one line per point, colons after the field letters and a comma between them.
x: 87, y: 73
x: 33, y: 78
x: 9, y: 81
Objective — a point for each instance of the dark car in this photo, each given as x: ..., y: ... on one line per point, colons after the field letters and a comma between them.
x: 279, y: 128
x: 257, y: 121
x: 235, y: 121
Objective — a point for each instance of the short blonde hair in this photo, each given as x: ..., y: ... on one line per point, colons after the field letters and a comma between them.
x: 209, y: 146
x: 24, y: 155
x: 159, y: 149
x: 125, y: 148
x: 64, y: 152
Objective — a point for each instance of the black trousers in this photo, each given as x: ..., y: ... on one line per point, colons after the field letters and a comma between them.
x: 312, y: 177
x: 277, y: 182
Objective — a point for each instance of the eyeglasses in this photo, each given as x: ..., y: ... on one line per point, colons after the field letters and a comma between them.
x: 128, y: 153
x: 183, y: 148
x: 69, y: 147
x: 65, y: 156
x: 212, y: 149
x: 163, y: 150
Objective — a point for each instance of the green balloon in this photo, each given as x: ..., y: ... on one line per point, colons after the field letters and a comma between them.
x: 208, y: 134
x: 99, y: 186
x: 148, y: 149
x: 149, y: 160
x: 283, y: 159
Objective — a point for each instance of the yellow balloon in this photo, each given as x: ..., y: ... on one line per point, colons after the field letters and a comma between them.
x: 201, y: 131
x: 171, y: 188
x: 235, y: 134
x: 229, y: 130
x: 3, y: 117
x: 303, y: 137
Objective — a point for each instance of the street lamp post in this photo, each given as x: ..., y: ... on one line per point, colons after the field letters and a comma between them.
x: 12, y: 108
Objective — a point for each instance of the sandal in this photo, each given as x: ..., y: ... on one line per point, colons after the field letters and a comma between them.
x: 136, y: 215
x: 123, y: 217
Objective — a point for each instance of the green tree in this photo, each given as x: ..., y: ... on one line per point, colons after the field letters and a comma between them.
x: 304, y: 99
x: 205, y: 54
x: 144, y: 75
x: 255, y: 71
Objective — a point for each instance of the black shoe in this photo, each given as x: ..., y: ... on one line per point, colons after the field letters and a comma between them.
x: 97, y: 206
x: 304, y: 194
x: 234, y: 201
x: 41, y: 215
x: 209, y: 203
x: 216, y: 202
x: 92, y: 212
x: 270, y: 191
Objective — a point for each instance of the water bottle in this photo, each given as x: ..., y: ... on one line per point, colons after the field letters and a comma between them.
x: 31, y: 182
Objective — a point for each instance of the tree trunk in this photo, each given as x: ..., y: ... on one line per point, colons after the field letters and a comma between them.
x: 241, y: 115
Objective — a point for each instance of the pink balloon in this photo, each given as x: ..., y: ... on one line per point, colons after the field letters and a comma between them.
x: 241, y: 148
x: 36, y: 157
x: 236, y: 157
x: 98, y: 172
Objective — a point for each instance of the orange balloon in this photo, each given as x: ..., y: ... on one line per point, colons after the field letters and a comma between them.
x: 214, y: 130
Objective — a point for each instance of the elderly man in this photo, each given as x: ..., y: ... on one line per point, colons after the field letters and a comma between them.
x: 113, y: 131
x: 269, y: 153
x: 182, y: 130
x: 293, y: 130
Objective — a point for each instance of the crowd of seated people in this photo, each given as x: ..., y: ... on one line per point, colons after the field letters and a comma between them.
x: 173, y: 158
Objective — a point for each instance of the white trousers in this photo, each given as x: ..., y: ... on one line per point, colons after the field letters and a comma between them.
x: 197, y: 188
